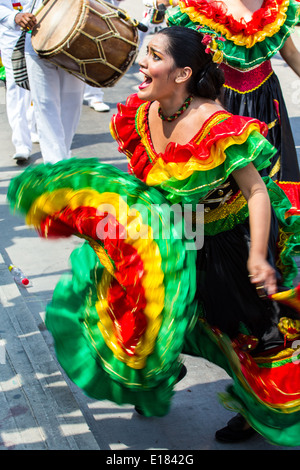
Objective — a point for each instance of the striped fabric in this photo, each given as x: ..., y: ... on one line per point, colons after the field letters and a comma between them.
x: 19, y: 63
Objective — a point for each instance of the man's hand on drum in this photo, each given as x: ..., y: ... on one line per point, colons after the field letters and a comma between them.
x: 26, y: 21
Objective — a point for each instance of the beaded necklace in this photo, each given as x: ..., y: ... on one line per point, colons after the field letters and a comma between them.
x: 178, y: 113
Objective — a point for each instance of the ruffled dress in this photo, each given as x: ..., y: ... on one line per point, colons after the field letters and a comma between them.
x: 251, y: 86
x: 141, y: 291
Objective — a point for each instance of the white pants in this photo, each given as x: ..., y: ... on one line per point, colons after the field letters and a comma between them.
x: 92, y: 94
x: 57, y: 98
x: 17, y: 107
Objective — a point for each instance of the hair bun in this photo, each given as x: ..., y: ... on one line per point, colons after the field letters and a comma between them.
x: 187, y: 49
x: 209, y: 81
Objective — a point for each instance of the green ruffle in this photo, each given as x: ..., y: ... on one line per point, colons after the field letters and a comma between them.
x: 74, y: 173
x: 255, y: 149
x: 289, y: 241
x: 2, y: 73
x: 241, y: 56
x: 72, y: 317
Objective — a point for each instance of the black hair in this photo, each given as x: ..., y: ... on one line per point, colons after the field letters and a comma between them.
x: 186, y: 47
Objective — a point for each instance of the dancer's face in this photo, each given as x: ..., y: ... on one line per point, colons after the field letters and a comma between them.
x: 159, y: 71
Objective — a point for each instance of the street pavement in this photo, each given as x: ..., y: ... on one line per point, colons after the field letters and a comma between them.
x: 39, y: 408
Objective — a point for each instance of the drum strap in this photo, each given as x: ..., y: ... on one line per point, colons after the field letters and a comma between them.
x: 18, y: 59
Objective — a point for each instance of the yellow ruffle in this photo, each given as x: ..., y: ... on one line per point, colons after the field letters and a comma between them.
x: 239, y: 39
x: 162, y: 171
x: 152, y: 281
x: 289, y: 328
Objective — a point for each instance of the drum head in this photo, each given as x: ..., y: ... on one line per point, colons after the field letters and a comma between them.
x: 55, y: 24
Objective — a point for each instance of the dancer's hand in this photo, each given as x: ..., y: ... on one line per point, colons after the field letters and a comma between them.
x: 263, y: 275
x: 26, y: 21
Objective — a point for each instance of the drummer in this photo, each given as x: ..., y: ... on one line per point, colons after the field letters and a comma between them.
x: 57, y: 97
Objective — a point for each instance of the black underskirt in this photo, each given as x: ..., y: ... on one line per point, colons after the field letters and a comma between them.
x: 230, y: 301
x: 262, y: 104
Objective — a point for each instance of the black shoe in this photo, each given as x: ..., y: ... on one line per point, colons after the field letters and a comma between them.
x: 139, y: 411
x: 181, y: 375
x: 234, y: 431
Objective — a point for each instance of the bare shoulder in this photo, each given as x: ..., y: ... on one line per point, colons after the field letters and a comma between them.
x: 190, y: 125
x: 205, y: 110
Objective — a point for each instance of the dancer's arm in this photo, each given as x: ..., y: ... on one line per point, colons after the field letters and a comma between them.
x: 255, y: 192
x: 291, y: 55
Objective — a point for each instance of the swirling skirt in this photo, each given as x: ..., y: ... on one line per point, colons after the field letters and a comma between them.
x: 129, y: 307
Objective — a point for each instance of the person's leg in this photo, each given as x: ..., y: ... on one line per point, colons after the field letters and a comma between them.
x: 71, y: 97
x: 32, y: 124
x: 17, y: 106
x: 92, y: 93
x: 94, y: 97
x: 44, y: 81
x: 237, y: 430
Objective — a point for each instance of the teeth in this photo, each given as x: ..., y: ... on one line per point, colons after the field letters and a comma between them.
x: 146, y: 81
x: 147, y: 78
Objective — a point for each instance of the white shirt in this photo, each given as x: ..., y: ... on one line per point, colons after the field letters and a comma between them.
x: 150, y: 3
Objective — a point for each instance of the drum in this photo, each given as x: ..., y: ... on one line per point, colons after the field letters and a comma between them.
x: 86, y: 37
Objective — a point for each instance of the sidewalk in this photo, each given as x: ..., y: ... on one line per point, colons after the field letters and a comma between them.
x: 39, y: 408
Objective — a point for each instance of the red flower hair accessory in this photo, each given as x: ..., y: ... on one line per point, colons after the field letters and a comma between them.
x: 213, y: 42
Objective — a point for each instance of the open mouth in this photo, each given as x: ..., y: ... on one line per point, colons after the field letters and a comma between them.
x: 147, y: 81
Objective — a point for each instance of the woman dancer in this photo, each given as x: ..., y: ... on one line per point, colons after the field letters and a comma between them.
x: 121, y: 340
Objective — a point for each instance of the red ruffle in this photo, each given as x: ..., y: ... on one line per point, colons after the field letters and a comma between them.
x: 233, y: 126
x: 140, y: 163
x: 270, y: 383
x: 126, y: 295
x: 123, y: 128
x: 292, y: 191
x: 218, y: 11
